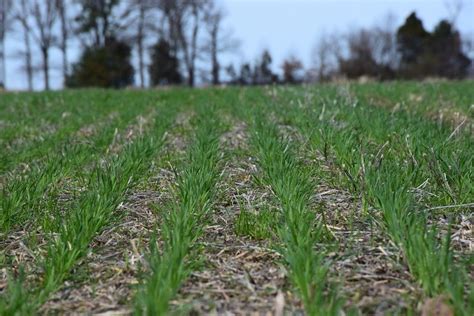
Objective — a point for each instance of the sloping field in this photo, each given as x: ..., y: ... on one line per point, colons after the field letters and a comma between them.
x: 322, y: 200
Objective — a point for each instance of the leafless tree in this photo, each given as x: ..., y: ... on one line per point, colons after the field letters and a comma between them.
x: 5, y: 21
x: 468, y: 49
x: 326, y: 54
x: 21, y: 16
x: 140, y: 41
x: 292, y: 68
x: 64, y: 19
x: 44, y: 17
x: 142, y: 16
x: 454, y: 8
x: 218, y: 41
x: 99, y: 20
x: 184, y: 18
x: 359, y: 59
x: 385, y: 42
x: 370, y: 52
x: 189, y: 43
x: 213, y: 19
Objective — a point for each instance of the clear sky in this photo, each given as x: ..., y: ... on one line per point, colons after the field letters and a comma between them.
x: 284, y: 27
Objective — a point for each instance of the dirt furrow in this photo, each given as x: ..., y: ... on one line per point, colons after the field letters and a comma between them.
x: 240, y: 275
x: 367, y: 264
x: 135, y: 129
x: 105, y: 281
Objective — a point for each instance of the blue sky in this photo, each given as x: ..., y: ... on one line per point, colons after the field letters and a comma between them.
x: 293, y: 26
x: 285, y: 27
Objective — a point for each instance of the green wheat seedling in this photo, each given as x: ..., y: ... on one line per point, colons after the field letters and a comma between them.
x: 383, y: 167
x: 67, y: 112
x: 403, y: 150
x: 23, y: 199
x: 299, y: 233
x: 183, y: 223
x: 257, y: 224
x: 430, y: 259
x: 44, y: 145
x: 107, y: 188
x: 29, y: 113
x: 19, y: 197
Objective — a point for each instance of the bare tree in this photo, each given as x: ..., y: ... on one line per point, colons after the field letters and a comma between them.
x: 454, y: 8
x: 5, y: 15
x: 142, y: 19
x: 213, y: 19
x: 21, y: 16
x: 370, y: 52
x: 44, y: 16
x: 326, y: 54
x: 184, y: 19
x: 468, y: 44
x: 189, y: 44
x: 385, y: 42
x: 98, y: 21
x: 292, y: 68
x: 140, y: 42
x: 219, y: 40
x: 61, y: 7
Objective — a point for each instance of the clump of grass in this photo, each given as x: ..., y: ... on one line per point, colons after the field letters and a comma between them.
x: 14, y: 301
x: 257, y: 224
x: 183, y: 223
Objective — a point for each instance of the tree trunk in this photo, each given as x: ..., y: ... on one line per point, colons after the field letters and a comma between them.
x: 215, y: 72
x: 191, y: 76
x: 2, y: 60
x: 140, y: 37
x: 3, y: 25
x: 105, y: 28
x: 141, y: 65
x: 28, y: 58
x: 215, y: 61
x: 64, y: 34
x: 45, y: 54
x: 189, y: 49
x: 65, y: 62
x: 194, y: 46
x: 97, y: 38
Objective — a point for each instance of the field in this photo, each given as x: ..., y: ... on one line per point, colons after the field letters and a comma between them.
x: 336, y: 199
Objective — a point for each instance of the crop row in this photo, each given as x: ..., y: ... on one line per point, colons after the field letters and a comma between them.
x: 106, y: 187
x: 409, y: 173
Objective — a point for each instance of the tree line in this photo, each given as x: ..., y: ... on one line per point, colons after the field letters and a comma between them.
x: 182, y: 33
x: 170, y: 38
x: 386, y: 52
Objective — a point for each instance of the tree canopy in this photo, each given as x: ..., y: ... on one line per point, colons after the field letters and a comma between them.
x: 106, y: 66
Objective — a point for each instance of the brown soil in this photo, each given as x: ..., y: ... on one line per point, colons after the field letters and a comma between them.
x: 242, y: 276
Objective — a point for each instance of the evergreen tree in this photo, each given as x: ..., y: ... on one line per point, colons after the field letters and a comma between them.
x: 412, y: 39
x: 263, y: 73
x: 107, y: 66
x: 430, y: 54
x: 164, y: 68
x: 446, y: 46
